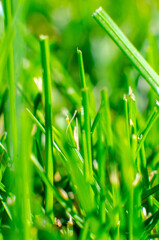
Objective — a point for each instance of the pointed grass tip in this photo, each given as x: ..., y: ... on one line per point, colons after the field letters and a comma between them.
x: 97, y: 11
x: 79, y: 51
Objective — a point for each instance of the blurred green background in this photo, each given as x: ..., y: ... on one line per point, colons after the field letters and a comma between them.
x: 69, y: 25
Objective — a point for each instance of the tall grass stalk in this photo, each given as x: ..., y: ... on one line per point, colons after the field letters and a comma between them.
x: 86, y: 127
x: 113, y: 173
x: 126, y: 118
x: 45, y: 59
x: 11, y: 81
x: 23, y: 174
x: 101, y: 171
x: 107, y: 123
x: 128, y: 49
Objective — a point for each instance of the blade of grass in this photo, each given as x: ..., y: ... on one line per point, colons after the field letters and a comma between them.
x: 11, y: 79
x: 86, y: 126
x: 132, y: 113
x: 45, y: 59
x: 101, y: 172
x: 42, y: 174
x: 36, y: 121
x: 107, y: 122
x: 128, y: 49
x: 126, y: 118
x: 84, y: 231
x: 153, y: 236
x: 95, y: 122
x: 23, y: 174
x: 113, y: 174
x: 150, y: 122
x: 142, y: 165
x: 149, y: 192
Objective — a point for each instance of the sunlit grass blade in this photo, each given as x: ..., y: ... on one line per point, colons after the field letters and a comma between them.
x: 11, y: 80
x: 149, y: 124
x: 23, y: 173
x: 70, y: 134
x: 101, y: 171
x: 128, y: 49
x: 132, y: 112
x: 86, y: 124
x: 36, y: 121
x: 45, y: 58
x: 81, y: 187
x: 39, y: 124
x: 95, y: 122
x: 84, y: 231
x: 126, y: 117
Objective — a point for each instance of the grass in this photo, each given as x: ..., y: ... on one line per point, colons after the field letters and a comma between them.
x: 79, y: 173
x: 128, y: 49
x: 45, y: 58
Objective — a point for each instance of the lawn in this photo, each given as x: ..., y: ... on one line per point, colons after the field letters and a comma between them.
x: 79, y: 108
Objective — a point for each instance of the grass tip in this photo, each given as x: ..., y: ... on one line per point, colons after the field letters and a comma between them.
x: 131, y: 94
x: 99, y: 9
x: 79, y: 51
x: 43, y: 37
x: 125, y: 97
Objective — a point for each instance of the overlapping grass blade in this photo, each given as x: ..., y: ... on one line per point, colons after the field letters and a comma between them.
x: 42, y: 174
x: 86, y: 125
x: 45, y: 58
x: 149, y: 192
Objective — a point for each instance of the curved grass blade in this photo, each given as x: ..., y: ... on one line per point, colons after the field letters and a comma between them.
x: 128, y: 49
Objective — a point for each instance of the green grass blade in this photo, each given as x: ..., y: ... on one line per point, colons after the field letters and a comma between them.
x: 153, y: 236
x: 11, y: 79
x: 126, y: 117
x: 128, y: 49
x: 142, y: 166
x: 149, y: 192
x: 101, y: 171
x: 107, y: 122
x: 42, y: 174
x: 149, y: 124
x: 86, y: 126
x: 95, y: 122
x: 45, y: 58
x: 36, y: 121
x: 23, y: 171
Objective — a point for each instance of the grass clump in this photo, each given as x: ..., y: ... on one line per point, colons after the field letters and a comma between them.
x: 93, y: 176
